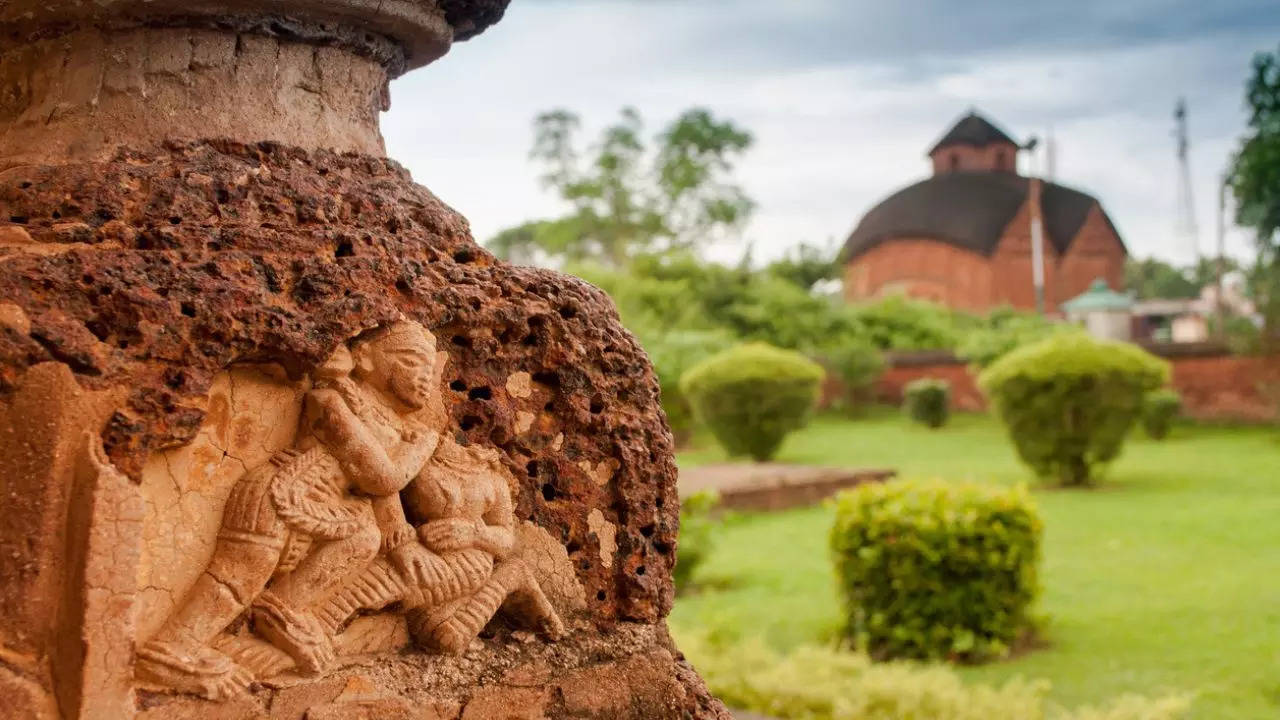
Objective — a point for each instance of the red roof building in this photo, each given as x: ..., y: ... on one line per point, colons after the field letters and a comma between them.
x: 963, y: 236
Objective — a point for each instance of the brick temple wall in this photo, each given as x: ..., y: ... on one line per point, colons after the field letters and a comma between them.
x: 924, y: 269
x: 929, y: 269
x: 996, y: 156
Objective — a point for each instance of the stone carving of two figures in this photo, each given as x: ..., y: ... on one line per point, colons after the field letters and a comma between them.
x: 321, y: 533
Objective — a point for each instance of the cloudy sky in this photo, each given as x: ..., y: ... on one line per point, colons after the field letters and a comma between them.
x: 845, y: 96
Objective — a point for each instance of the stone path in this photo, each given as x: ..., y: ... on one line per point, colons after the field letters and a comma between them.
x: 774, y: 486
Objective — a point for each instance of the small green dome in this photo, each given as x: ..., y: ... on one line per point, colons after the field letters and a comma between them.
x: 1099, y: 296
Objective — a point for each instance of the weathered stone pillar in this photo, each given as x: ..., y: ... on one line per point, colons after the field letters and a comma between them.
x: 277, y: 438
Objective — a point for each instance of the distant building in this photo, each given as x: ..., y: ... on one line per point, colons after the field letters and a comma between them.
x: 1105, y: 313
x: 1187, y: 320
x: 963, y: 236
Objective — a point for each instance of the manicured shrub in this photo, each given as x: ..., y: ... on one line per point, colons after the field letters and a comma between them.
x: 937, y: 570
x: 1159, y: 408
x: 752, y: 395
x: 695, y: 535
x: 1068, y: 402
x: 822, y: 683
x: 928, y: 401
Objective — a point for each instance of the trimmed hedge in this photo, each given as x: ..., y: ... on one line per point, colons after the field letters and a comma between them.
x: 751, y: 396
x: 1159, y: 409
x: 928, y: 401
x: 1069, y: 401
x: 936, y: 570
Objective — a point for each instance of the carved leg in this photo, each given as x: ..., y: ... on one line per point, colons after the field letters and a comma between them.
x: 284, y: 613
x: 532, y: 604
x: 452, y: 627
x: 194, y: 669
x: 459, y: 575
x: 179, y: 655
x: 297, y: 632
x: 378, y: 586
x: 327, y: 567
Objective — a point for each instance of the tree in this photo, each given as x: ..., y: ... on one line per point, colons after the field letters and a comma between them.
x: 1154, y: 278
x: 625, y: 201
x: 806, y: 265
x: 1255, y: 182
x: 1205, y: 271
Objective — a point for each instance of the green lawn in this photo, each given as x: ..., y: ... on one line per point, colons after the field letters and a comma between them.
x: 1167, y: 577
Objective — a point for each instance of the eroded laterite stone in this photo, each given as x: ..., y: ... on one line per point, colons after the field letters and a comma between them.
x: 276, y: 255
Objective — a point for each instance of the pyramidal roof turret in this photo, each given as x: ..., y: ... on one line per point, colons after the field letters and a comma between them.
x: 975, y: 131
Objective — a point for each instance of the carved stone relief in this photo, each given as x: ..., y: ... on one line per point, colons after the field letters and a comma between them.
x: 350, y: 521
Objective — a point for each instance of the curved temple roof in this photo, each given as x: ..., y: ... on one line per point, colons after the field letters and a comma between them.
x: 973, y: 130
x: 969, y: 210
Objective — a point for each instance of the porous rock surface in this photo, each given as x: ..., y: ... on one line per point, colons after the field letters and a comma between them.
x: 154, y: 271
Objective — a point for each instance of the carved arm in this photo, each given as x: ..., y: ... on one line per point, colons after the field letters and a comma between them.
x: 371, y: 468
x: 496, y: 536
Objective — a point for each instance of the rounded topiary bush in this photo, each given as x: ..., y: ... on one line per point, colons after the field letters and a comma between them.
x: 936, y: 570
x: 928, y: 401
x: 752, y: 395
x: 1159, y: 409
x: 1069, y: 401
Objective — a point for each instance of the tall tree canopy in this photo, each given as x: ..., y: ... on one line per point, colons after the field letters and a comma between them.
x: 1256, y: 173
x: 1155, y: 278
x: 626, y: 200
x: 1255, y: 181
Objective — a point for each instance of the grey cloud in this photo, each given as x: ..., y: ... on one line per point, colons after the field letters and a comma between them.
x: 777, y: 33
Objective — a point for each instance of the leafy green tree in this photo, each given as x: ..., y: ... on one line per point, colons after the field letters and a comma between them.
x: 626, y: 200
x: 806, y: 265
x: 1205, y: 271
x: 1255, y: 182
x: 1154, y: 278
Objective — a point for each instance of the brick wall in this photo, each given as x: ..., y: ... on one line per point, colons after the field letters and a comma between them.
x: 1229, y: 387
x: 921, y: 268
x: 965, y: 394
x: 1214, y: 386
x: 930, y: 269
x: 1011, y: 265
x: 1095, y: 252
x: 996, y: 156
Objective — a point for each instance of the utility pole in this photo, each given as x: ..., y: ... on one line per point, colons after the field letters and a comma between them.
x: 1037, y: 226
x: 1186, y: 223
x: 1037, y: 247
x: 1050, y: 156
x: 1220, y: 300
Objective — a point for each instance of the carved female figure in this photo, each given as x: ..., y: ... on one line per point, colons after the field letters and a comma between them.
x: 462, y: 501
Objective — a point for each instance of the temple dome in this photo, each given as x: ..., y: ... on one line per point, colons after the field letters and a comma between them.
x: 969, y: 210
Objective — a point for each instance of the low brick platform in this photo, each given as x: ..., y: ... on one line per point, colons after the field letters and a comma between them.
x: 774, y: 486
